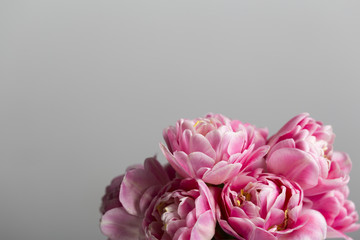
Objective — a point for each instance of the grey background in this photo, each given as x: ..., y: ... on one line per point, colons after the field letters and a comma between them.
x: 86, y: 88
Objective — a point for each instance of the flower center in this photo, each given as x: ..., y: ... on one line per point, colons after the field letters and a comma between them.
x: 205, y: 125
x: 167, y: 213
x: 242, y: 197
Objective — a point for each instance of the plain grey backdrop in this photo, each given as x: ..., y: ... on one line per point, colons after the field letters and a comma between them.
x: 86, y: 88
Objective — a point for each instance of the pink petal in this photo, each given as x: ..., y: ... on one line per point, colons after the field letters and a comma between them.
x: 262, y: 234
x: 173, y: 226
x: 169, y: 135
x: 332, y: 233
x: 146, y: 197
x: 289, y: 126
x: 152, y: 166
x: 255, y: 160
x: 184, y: 141
x: 204, y: 227
x: 137, y: 181
x: 296, y: 165
x: 221, y: 172
x: 242, y: 226
x: 198, y: 143
x: 237, y: 142
x: 239, y: 212
x: 325, y: 185
x: 200, y: 160
x: 314, y: 227
x: 186, y: 205
x: 287, y: 143
x: 183, y: 233
x: 275, y: 217
x: 179, y: 167
x: 134, y: 184
x: 229, y: 230
x: 343, y: 160
x: 208, y: 195
x: 118, y: 224
x: 214, y: 138
x: 191, y: 218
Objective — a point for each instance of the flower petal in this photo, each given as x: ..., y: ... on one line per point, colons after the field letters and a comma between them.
x: 198, y: 143
x: 200, y: 160
x: 179, y: 167
x: 204, y: 227
x: 118, y: 224
x: 314, y: 227
x: 296, y: 165
x: 137, y: 181
x: 289, y: 126
x: 221, y: 172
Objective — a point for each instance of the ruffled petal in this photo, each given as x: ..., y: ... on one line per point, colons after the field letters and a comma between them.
x: 221, y: 172
x: 314, y: 227
x: 296, y: 165
x: 118, y: 224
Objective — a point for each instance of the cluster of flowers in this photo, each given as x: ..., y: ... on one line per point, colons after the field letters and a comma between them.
x: 228, y: 180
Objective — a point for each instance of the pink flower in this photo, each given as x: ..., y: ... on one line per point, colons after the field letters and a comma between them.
x: 184, y: 209
x: 267, y: 207
x: 214, y: 148
x: 128, y: 197
x: 309, y: 135
x: 302, y: 151
x: 339, y: 212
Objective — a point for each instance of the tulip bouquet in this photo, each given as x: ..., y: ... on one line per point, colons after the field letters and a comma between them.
x: 227, y: 180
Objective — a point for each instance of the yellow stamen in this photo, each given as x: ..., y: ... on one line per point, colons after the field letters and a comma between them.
x: 285, y: 222
x: 197, y: 123
x: 324, y: 150
x: 247, y: 196
x: 243, y: 196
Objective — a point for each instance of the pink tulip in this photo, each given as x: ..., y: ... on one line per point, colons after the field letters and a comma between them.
x: 128, y: 197
x: 184, y: 209
x: 308, y: 134
x: 302, y: 150
x: 267, y: 207
x: 214, y: 148
x: 339, y: 212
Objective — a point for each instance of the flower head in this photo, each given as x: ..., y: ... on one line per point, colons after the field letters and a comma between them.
x: 339, y: 212
x: 214, y: 148
x: 267, y: 207
x: 302, y: 150
x: 184, y: 209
